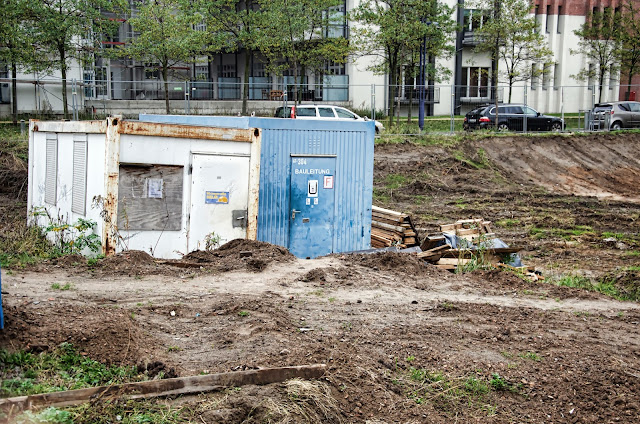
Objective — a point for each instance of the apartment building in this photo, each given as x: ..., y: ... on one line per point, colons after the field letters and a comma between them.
x: 213, y: 84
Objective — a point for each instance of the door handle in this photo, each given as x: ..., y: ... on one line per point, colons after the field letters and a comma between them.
x: 293, y: 213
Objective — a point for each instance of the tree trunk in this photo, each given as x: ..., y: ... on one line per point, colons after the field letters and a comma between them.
x: 295, y: 82
x: 392, y: 91
x: 63, y: 70
x: 165, y: 74
x: 627, y: 94
x: 410, y: 104
x: 14, y: 92
x: 601, y: 83
x: 245, y: 85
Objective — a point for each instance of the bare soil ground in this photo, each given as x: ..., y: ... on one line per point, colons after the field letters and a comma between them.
x: 379, y: 321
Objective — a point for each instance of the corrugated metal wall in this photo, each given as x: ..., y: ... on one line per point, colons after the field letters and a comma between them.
x: 350, y: 142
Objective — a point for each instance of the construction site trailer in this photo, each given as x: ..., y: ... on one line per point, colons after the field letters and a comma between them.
x: 316, y: 180
x: 163, y: 189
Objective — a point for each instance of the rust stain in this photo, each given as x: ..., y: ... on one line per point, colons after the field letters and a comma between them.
x: 184, y: 131
x: 112, y: 167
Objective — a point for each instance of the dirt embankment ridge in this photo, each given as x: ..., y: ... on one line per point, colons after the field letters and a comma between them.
x: 603, y: 166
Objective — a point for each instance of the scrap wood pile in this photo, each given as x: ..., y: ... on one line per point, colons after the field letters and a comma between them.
x: 469, y: 240
x: 391, y: 228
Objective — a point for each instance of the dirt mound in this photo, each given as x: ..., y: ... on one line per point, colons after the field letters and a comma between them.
x: 69, y: 260
x: 132, y: 262
x: 406, y: 263
x: 240, y: 254
x: 315, y: 275
x: 599, y: 165
x: 105, y: 334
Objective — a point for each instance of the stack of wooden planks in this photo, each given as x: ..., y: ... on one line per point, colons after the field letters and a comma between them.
x: 391, y: 228
x: 436, y: 251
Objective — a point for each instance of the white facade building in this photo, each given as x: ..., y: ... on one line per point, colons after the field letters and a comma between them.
x: 214, y: 86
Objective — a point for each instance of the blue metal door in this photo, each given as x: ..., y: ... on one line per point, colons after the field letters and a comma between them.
x: 311, y: 215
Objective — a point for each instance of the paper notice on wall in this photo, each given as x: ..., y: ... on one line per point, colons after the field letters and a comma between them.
x: 154, y: 188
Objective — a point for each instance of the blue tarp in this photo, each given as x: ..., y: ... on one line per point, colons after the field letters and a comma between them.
x: 459, y: 243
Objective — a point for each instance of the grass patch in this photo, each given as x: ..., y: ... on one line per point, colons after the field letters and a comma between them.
x: 621, y: 287
x: 531, y: 356
x: 480, y: 162
x: 446, y: 393
x: 508, y: 223
x: 563, y: 233
x: 395, y: 181
x: 57, y: 286
x: 25, y: 373
x: 21, y: 245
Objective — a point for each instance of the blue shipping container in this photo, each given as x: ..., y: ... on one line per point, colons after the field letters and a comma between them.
x: 316, y: 180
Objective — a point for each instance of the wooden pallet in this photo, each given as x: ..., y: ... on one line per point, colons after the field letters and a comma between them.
x: 391, y: 228
x: 436, y: 251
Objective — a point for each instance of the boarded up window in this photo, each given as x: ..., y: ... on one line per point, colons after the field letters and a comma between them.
x: 51, y: 172
x: 79, y: 187
x: 150, y: 197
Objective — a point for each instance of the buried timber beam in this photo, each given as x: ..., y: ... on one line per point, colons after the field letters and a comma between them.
x: 169, y: 386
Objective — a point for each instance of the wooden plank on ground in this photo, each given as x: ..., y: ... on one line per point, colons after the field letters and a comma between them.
x: 386, y: 226
x: 387, y: 211
x: 454, y: 253
x: 453, y: 261
x: 430, y: 252
x: 447, y: 267
x: 430, y: 242
x: 170, y: 386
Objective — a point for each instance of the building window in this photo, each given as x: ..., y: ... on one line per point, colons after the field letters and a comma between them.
x: 613, y: 80
x: 475, y: 81
x: 79, y: 183
x: 151, y: 71
x: 537, y: 18
x: 534, y: 76
x: 51, y: 171
x: 227, y: 71
x: 556, y: 76
x: 546, y: 75
x: 560, y: 20
x: 548, y: 21
x: 473, y: 19
x: 258, y: 69
x: 202, y: 72
x: 334, y: 68
x: 592, y: 75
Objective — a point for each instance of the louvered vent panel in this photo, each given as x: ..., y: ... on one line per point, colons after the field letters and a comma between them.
x: 79, y: 189
x: 50, y: 184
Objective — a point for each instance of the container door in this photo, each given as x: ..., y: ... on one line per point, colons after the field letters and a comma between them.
x: 219, y: 199
x: 311, y: 216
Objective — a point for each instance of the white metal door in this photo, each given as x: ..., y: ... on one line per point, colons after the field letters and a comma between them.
x: 219, y: 199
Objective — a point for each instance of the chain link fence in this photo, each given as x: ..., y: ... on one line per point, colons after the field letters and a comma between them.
x: 398, y: 108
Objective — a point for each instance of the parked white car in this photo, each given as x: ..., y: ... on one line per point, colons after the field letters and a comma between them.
x: 323, y: 112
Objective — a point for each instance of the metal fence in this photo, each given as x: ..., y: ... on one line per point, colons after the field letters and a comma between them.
x: 397, y: 107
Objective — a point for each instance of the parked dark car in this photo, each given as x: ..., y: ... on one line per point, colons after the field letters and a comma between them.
x: 511, y: 118
x: 617, y: 114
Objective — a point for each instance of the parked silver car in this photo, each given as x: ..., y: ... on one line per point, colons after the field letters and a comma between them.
x: 617, y: 114
x: 323, y: 112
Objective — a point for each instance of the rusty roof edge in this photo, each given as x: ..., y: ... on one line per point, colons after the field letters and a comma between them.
x: 91, y: 127
x: 185, y: 131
